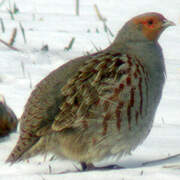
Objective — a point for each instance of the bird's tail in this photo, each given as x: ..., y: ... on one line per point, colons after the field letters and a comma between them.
x: 21, y: 148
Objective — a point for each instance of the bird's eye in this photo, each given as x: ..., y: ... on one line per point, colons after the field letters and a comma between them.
x: 150, y: 22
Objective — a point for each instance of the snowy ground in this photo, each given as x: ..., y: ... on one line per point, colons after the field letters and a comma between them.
x: 54, y: 23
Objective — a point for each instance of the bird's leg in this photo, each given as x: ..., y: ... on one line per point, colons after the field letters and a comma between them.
x: 90, y: 166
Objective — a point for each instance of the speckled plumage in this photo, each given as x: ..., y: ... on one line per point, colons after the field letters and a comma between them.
x: 98, y: 105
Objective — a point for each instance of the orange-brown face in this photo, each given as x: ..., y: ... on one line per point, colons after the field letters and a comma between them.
x: 151, y: 24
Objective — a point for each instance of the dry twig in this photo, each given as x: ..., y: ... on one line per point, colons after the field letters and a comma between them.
x: 12, y: 40
x: 7, y: 44
x: 99, y: 15
x: 161, y: 160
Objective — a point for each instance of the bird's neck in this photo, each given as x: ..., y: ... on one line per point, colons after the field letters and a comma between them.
x: 149, y: 52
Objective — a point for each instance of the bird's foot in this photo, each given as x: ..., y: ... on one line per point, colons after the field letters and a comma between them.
x: 91, y: 167
x: 88, y: 167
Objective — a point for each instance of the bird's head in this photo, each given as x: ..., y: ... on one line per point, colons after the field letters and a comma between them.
x: 151, y: 24
x: 144, y: 27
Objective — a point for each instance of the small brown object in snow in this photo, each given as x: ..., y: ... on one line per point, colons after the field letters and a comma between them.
x: 8, y: 120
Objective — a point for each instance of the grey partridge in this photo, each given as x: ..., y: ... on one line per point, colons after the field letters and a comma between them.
x: 98, y: 105
x: 8, y: 120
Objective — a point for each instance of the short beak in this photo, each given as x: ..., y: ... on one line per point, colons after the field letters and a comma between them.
x: 167, y: 23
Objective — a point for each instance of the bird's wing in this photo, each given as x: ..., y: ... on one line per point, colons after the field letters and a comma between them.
x: 43, y: 103
x: 93, y: 87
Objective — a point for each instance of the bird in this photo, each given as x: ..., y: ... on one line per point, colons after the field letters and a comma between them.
x: 8, y: 119
x: 100, y: 105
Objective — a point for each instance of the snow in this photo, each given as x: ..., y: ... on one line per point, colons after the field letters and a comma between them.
x: 55, y: 23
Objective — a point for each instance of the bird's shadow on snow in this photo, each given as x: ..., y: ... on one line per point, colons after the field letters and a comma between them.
x: 139, y: 163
